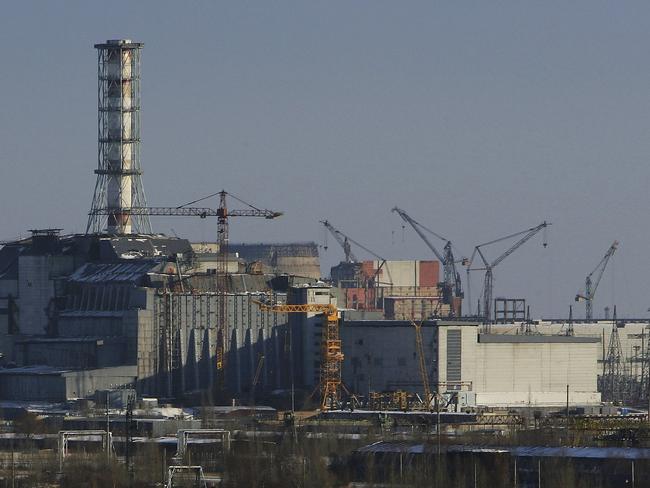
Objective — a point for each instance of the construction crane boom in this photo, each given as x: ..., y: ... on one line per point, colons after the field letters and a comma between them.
x: 591, y: 285
x: 418, y: 229
x: 343, y: 241
x: 202, y: 212
x: 340, y: 235
x: 451, y: 284
x: 331, y: 353
x: 488, y: 266
x: 223, y: 214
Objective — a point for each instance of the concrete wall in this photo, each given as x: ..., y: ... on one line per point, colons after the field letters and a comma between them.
x: 502, y: 370
x: 634, y: 337
x: 414, y: 308
x: 194, y: 320
x: 32, y: 387
x: 81, y: 384
x: 535, y: 372
x: 382, y: 355
x: 299, y: 266
x: 47, y: 384
x: 307, y: 332
x: 36, y: 289
x: 406, y: 273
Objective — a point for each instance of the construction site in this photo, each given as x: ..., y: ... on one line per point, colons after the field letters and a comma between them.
x: 180, y: 363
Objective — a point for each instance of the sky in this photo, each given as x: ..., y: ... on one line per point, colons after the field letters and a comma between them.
x: 479, y: 119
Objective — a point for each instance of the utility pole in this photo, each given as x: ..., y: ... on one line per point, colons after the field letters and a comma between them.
x: 567, y: 412
x: 108, y: 425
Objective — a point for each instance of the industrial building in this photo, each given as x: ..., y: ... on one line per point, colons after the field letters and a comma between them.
x: 76, y: 303
x: 488, y: 369
x: 400, y: 288
x: 122, y: 306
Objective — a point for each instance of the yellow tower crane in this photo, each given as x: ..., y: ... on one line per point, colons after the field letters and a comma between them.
x: 331, y: 354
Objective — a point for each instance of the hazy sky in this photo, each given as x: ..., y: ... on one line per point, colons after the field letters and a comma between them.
x: 479, y: 119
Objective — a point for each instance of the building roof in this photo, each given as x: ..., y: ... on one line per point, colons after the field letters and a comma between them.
x: 407, y: 323
x: 523, y: 338
x: 265, y: 252
x: 517, y: 451
x: 122, y: 272
x: 141, y: 246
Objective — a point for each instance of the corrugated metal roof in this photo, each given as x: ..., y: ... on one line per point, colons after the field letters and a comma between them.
x: 144, y: 246
x: 583, y: 452
x: 266, y: 251
x: 522, y: 338
x: 129, y: 272
x: 517, y: 451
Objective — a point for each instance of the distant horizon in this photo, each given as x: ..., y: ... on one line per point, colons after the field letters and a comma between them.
x: 479, y: 120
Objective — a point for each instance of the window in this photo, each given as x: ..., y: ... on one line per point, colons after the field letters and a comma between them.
x: 454, y: 355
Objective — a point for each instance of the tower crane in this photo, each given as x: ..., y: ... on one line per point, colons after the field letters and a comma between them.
x: 343, y: 241
x: 331, y: 353
x: 451, y: 284
x: 593, y: 280
x: 222, y: 213
x: 488, y: 266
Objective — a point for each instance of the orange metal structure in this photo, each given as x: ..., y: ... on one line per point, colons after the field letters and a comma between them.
x: 428, y: 396
x: 331, y: 353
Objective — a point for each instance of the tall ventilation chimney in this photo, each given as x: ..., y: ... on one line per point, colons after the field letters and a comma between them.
x: 119, y: 184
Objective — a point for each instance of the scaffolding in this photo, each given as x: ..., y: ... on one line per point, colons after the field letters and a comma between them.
x: 331, y: 353
x: 65, y: 436
x: 185, y: 476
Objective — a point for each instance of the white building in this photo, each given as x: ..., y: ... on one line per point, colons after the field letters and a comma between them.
x: 501, y: 369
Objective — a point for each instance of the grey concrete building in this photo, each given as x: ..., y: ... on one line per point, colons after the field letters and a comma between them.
x: 499, y: 369
x: 95, y: 305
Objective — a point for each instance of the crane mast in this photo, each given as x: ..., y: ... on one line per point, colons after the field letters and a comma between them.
x: 343, y: 241
x: 488, y: 267
x: 451, y: 284
x: 331, y: 352
x: 223, y: 213
x: 424, y: 374
x: 591, y: 284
